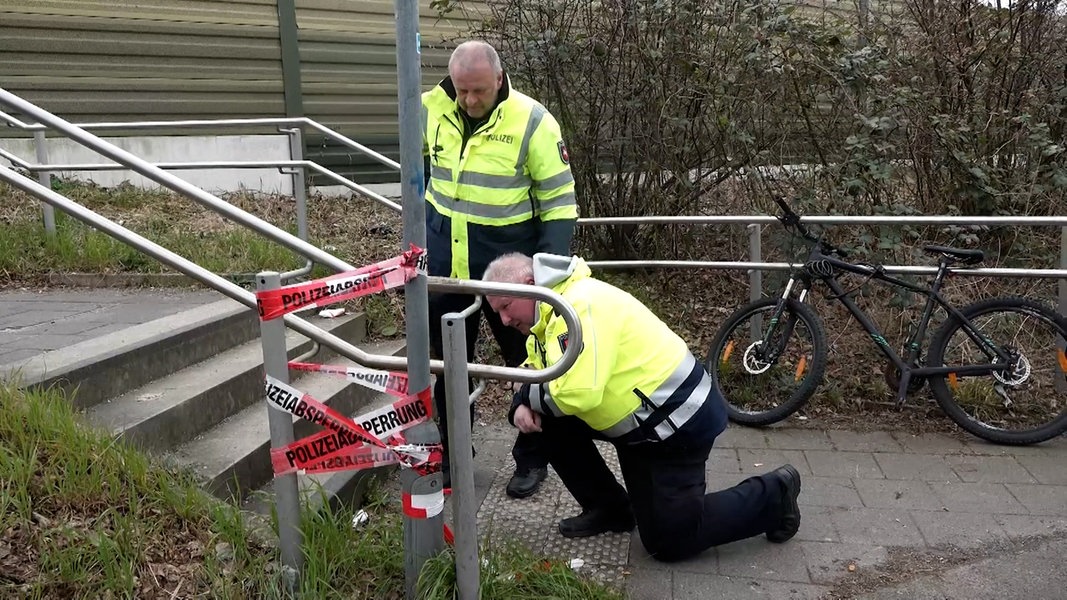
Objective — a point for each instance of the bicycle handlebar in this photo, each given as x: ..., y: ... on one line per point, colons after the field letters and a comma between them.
x: 791, y: 220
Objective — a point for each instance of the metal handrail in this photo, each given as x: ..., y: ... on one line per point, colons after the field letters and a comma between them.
x: 192, y: 123
x: 828, y: 220
x: 298, y: 324
x: 686, y: 220
x: 277, y: 235
x: 781, y: 266
x: 218, y: 164
x: 588, y: 221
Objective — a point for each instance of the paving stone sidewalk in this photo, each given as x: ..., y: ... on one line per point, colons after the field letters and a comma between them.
x: 885, y: 515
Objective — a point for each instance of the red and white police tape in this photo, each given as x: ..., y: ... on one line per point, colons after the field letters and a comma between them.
x: 383, y: 381
x: 380, y: 276
x: 346, y: 443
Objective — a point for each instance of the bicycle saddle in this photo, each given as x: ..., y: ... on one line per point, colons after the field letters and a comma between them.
x: 968, y: 257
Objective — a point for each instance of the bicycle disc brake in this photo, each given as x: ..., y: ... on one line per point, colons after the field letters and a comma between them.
x: 754, y: 363
x: 1017, y: 374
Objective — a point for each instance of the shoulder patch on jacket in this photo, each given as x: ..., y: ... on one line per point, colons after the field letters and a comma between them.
x: 562, y: 337
x: 563, y: 154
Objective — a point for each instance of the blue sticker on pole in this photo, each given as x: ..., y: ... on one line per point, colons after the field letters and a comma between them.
x: 418, y: 43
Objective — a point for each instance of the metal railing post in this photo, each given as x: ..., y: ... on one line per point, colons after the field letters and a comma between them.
x: 1061, y: 384
x: 755, y: 276
x: 286, y: 491
x: 1063, y: 266
x: 45, y: 178
x: 299, y: 174
x: 460, y: 448
x: 296, y: 153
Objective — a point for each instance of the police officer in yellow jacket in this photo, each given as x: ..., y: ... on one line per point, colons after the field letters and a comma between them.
x: 637, y: 385
x: 498, y: 181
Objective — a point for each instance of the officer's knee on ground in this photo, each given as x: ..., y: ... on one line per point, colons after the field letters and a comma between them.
x: 664, y: 548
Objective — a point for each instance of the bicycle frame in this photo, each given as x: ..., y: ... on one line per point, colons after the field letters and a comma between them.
x: 824, y: 268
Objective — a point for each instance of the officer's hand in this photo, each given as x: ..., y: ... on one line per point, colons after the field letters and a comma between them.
x: 517, y: 385
x: 527, y: 420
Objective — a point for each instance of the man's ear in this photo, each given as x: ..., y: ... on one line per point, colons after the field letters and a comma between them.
x: 529, y: 280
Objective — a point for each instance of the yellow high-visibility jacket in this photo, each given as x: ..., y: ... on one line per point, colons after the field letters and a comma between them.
x: 635, y: 380
x: 506, y: 187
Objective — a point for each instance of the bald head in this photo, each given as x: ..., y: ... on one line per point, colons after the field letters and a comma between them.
x: 514, y: 267
x: 477, y: 76
x: 471, y: 55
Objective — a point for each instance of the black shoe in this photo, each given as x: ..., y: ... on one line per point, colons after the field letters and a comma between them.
x: 526, y: 482
x: 597, y: 521
x: 789, y: 512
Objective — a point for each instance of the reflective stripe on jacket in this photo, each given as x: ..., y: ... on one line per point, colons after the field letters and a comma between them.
x: 513, y: 171
x: 635, y: 380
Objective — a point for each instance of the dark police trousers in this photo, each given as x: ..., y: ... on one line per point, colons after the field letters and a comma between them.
x: 527, y: 450
x: 666, y: 485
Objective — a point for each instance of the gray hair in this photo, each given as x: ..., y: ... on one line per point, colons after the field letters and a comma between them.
x: 514, y: 267
x: 470, y: 53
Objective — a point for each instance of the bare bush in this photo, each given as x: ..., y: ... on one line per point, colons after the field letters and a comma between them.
x: 690, y: 107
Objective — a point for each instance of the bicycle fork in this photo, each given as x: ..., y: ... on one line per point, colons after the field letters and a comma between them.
x: 771, y: 353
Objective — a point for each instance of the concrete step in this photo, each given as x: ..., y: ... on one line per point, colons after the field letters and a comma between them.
x: 112, y: 364
x: 233, y: 458
x: 178, y: 407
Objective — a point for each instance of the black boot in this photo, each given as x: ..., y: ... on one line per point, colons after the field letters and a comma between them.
x: 526, y: 482
x: 597, y: 521
x: 788, y: 523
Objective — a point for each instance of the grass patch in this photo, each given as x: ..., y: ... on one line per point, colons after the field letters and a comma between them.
x: 26, y: 251
x: 84, y: 516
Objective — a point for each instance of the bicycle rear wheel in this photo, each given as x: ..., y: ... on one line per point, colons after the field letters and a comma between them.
x: 1024, y: 404
x: 765, y: 385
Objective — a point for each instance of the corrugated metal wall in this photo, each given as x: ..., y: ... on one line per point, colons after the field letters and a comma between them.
x: 116, y: 60
x: 348, y: 68
x: 107, y: 60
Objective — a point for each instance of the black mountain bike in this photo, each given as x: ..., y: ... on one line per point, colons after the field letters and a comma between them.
x: 996, y: 367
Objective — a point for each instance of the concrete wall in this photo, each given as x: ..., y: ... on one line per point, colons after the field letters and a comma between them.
x: 158, y: 149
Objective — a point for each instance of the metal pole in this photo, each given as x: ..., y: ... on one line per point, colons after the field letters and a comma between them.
x: 423, y: 534
x: 1061, y: 384
x: 423, y: 538
x: 296, y: 156
x: 45, y: 177
x: 411, y: 188
x: 292, y: 85
x: 286, y: 491
x: 464, y: 497
x: 300, y: 194
x: 1063, y: 266
x: 755, y: 276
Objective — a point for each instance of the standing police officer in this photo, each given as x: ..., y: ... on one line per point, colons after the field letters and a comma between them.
x: 499, y: 181
x: 635, y: 384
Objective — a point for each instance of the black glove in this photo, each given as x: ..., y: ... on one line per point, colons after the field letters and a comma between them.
x: 520, y: 398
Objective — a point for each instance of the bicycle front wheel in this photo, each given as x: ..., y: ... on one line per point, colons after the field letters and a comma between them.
x: 1025, y: 403
x: 765, y: 383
